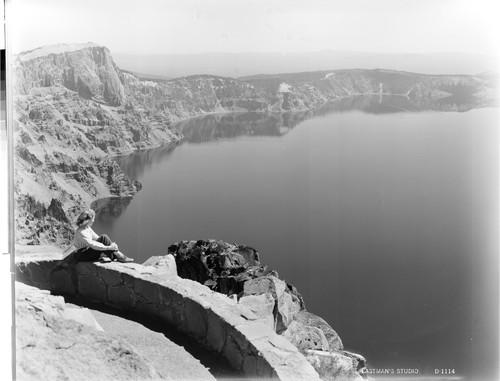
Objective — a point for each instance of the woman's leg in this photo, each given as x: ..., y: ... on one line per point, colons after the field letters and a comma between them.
x: 105, y: 240
x: 88, y: 255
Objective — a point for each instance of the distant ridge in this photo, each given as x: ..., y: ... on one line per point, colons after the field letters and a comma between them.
x: 238, y: 65
x: 145, y: 77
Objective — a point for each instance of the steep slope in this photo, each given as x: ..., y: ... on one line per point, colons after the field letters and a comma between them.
x: 75, y: 109
x: 306, y: 90
x: 71, y: 116
x: 87, y: 69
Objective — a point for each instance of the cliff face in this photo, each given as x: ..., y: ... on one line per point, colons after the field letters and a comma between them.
x: 87, y: 69
x: 196, y: 95
x: 71, y: 116
x: 74, y: 108
x: 307, y: 90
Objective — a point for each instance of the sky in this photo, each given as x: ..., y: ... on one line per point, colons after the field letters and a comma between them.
x: 200, y: 26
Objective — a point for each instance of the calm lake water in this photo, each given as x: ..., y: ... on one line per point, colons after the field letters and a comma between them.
x: 386, y: 220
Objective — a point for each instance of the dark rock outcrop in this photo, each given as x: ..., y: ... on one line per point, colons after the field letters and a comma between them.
x: 55, y: 210
x: 40, y: 223
x: 236, y: 270
x: 219, y: 265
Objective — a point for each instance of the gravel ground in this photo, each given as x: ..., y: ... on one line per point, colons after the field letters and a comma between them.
x: 171, y: 360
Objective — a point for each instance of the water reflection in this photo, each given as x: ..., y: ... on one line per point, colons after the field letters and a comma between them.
x: 213, y: 127
x: 387, y: 104
x: 136, y: 163
x: 233, y: 125
x: 458, y: 103
x: 110, y: 208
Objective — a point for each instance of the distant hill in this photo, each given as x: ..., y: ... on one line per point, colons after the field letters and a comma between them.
x: 245, y: 64
x: 146, y: 77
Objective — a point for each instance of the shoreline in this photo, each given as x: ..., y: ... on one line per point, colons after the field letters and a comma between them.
x: 175, y: 143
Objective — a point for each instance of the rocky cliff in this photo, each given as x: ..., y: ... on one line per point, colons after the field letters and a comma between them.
x: 236, y: 271
x: 71, y: 116
x: 87, y: 69
x: 74, y: 109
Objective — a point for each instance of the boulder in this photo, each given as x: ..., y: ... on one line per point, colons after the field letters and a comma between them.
x: 360, y: 360
x: 333, y: 366
x: 285, y: 307
x: 309, y: 319
x: 191, y: 261
x: 222, y: 266
x: 306, y: 337
x: 262, y: 306
x: 269, y: 284
x: 163, y: 264
x: 286, y: 311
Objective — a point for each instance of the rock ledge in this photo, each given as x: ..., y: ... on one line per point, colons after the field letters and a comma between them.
x: 231, y: 329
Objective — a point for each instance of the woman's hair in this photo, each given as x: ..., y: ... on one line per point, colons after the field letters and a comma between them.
x: 85, y: 217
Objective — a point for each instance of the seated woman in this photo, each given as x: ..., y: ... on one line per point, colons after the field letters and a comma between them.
x: 90, y: 246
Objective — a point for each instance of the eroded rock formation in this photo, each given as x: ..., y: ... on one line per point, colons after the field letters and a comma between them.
x: 235, y: 270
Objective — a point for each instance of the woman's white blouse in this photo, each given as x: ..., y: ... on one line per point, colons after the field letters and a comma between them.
x: 86, y: 237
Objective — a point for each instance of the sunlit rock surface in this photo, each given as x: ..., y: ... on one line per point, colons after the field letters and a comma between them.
x: 54, y: 343
x: 237, y: 332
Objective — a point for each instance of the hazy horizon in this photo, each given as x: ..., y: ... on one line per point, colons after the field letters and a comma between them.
x: 210, y: 52
x: 171, y: 38
x: 223, y: 26
x: 357, y: 52
x: 247, y: 64
x: 242, y: 64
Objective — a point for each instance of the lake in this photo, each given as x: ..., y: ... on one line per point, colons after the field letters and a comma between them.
x: 383, y: 216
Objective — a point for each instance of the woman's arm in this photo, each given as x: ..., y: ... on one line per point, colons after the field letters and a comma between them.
x: 93, y: 233
x: 86, y: 237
